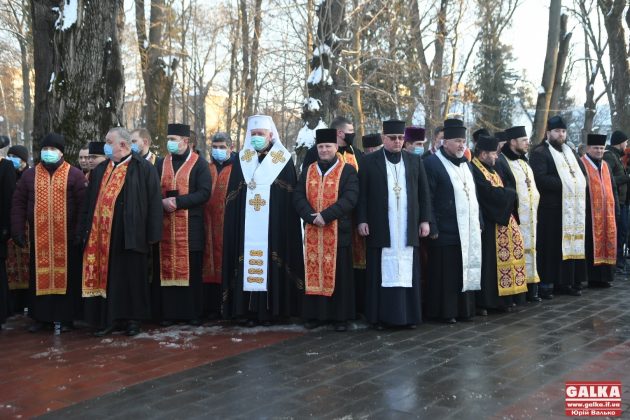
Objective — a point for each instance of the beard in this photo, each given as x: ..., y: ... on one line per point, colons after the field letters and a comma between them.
x: 459, y: 154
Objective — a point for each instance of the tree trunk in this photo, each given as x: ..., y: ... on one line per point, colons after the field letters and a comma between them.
x: 563, y: 53
x: 233, y: 74
x: 612, y: 11
x: 27, y: 125
x: 158, y: 69
x: 79, y: 78
x: 250, y: 82
x: 357, y: 76
x: 549, y: 73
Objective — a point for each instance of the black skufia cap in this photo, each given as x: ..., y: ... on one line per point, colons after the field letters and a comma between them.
x: 393, y: 127
x: 182, y: 130
x: 96, y: 148
x: 326, y: 135
x: 596, y: 139
x: 487, y: 143
x: 555, y: 122
x: 515, y: 132
x: 372, y: 140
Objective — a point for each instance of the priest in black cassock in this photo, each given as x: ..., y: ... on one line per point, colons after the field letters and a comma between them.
x: 455, y: 246
x: 602, y: 206
x: 7, y: 185
x: 345, y: 140
x: 121, y: 221
x: 561, y: 182
x: 503, y: 279
x: 263, y: 266
x: 177, y: 293
x: 325, y: 196
x: 393, y: 215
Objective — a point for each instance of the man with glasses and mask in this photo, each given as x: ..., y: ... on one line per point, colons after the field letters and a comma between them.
x: 393, y: 214
x: 221, y: 162
x: 186, y: 187
x: 560, y: 178
x: 263, y: 266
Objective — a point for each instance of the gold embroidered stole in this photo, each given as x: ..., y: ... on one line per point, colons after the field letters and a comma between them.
x: 511, y: 279
x: 96, y: 254
x: 174, y: 246
x: 320, y: 255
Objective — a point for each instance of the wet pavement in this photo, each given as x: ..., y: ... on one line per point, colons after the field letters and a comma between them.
x: 502, y: 366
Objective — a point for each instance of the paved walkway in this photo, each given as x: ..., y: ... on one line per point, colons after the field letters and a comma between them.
x: 501, y: 366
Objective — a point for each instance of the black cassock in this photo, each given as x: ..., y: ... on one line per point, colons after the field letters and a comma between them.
x: 285, y: 270
x: 341, y: 305
x: 391, y: 305
x: 553, y: 271
x: 598, y: 274
x: 445, y: 299
x: 7, y: 185
x: 137, y: 223
x: 179, y: 302
x: 496, y: 204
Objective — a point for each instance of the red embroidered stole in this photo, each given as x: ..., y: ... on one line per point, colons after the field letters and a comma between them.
x: 213, y: 216
x: 96, y: 254
x: 174, y: 264
x: 511, y: 276
x: 358, y: 241
x: 51, y: 230
x: 602, y: 214
x: 320, y: 254
x: 18, y: 264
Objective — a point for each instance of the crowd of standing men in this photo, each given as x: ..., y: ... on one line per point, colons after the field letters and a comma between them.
x: 393, y: 235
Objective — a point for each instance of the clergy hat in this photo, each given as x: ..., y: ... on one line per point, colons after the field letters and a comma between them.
x: 595, y: 139
x: 326, y: 135
x: 393, y: 127
x: 617, y: 137
x: 480, y: 132
x: 454, y: 132
x: 182, y: 130
x: 414, y: 134
x: 372, y: 140
x: 555, y: 122
x: 487, y: 143
x: 19, y: 151
x: 515, y: 132
x: 4, y: 141
x: 259, y: 122
x: 501, y: 136
x: 53, y: 140
x: 96, y: 148
x: 453, y: 122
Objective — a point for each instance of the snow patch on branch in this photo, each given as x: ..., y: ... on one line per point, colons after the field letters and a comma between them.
x: 541, y: 90
x: 306, y: 136
x: 318, y: 75
x: 67, y: 16
x: 323, y: 49
x: 312, y: 104
x: 51, y: 82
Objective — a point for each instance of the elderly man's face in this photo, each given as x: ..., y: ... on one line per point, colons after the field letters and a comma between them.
x: 120, y: 147
x: 489, y: 158
x: 393, y: 142
x: 455, y: 147
x: 596, y: 152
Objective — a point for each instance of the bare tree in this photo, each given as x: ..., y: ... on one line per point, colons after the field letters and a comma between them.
x: 79, y: 78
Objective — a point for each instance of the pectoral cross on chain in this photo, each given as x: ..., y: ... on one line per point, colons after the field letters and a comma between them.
x: 397, y: 191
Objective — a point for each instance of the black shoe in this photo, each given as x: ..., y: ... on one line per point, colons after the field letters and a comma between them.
x: 341, y: 327
x: 449, y: 321
x: 412, y: 326
x: 571, y: 291
x: 266, y: 323
x: 547, y: 295
x: 251, y: 323
x: 378, y: 326
x: 66, y: 327
x: 37, y: 326
x: 133, y: 328
x: 578, y: 286
x: 600, y: 284
x: 534, y: 299
x: 105, y: 331
x: 482, y: 312
x: 196, y: 322
x: 166, y: 323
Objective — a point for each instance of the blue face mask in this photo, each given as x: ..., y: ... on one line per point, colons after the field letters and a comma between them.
x: 135, y: 148
x: 220, y: 155
x: 16, y: 161
x: 258, y: 143
x: 50, y: 156
x: 107, y: 149
x: 418, y: 150
x: 172, y: 146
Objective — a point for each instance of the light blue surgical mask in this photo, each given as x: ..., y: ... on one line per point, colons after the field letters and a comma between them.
x: 135, y: 148
x: 16, y: 161
x: 258, y: 143
x: 50, y: 156
x: 172, y: 146
x: 418, y: 150
x: 108, y: 150
x: 220, y: 155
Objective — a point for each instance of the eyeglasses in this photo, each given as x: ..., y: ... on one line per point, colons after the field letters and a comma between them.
x: 394, y: 137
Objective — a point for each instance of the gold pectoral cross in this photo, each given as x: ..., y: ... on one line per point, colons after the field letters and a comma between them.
x: 257, y: 202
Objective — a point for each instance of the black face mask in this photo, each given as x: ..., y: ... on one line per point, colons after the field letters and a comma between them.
x: 348, y: 138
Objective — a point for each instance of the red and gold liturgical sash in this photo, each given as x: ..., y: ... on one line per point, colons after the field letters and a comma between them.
x: 358, y: 241
x: 320, y: 254
x: 51, y: 230
x: 18, y: 264
x: 213, y: 217
x: 96, y: 254
x: 602, y: 213
x: 511, y: 276
x: 174, y: 264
